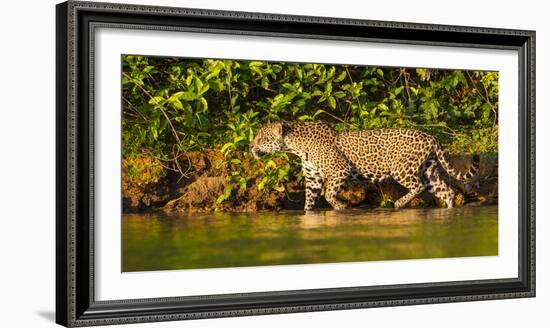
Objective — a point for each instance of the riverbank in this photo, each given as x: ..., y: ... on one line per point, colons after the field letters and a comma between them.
x: 200, y: 185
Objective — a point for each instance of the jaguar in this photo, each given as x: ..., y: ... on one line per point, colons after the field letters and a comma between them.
x: 332, y: 158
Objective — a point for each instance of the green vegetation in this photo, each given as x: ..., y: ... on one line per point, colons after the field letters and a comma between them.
x: 174, y: 106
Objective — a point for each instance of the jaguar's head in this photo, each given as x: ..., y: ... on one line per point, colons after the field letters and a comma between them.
x: 269, y: 139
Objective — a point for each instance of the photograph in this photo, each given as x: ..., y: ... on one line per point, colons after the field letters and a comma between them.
x: 239, y: 163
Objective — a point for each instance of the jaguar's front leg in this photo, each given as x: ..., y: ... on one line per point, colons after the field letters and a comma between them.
x: 314, y: 183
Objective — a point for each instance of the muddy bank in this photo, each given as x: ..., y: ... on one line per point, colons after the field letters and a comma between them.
x: 156, y: 187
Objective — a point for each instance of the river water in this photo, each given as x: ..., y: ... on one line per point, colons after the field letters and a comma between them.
x: 167, y: 242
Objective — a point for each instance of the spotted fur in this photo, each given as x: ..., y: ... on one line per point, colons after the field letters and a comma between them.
x: 330, y: 159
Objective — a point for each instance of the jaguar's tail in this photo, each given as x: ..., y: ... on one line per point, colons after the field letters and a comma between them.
x: 460, y: 176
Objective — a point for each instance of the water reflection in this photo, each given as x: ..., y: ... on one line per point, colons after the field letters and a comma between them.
x: 162, y: 242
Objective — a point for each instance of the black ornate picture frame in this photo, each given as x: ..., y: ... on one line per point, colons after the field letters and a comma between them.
x: 75, y: 279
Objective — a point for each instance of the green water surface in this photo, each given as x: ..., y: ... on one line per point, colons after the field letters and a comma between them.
x: 167, y: 242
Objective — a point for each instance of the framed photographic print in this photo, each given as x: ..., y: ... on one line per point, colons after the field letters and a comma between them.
x: 215, y: 164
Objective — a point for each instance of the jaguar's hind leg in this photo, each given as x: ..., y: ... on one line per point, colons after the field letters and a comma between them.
x: 332, y: 188
x: 435, y: 183
x: 412, y: 182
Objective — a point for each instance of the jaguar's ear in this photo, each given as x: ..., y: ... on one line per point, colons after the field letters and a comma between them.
x: 277, y: 129
x: 281, y: 129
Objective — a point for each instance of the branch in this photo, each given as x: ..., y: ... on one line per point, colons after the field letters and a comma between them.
x: 131, y: 106
x: 486, y: 98
x: 159, y: 107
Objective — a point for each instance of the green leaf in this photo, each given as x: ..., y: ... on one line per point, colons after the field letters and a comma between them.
x: 383, y: 107
x: 189, y: 80
x: 156, y: 101
x: 239, y: 139
x: 318, y: 112
x: 299, y: 73
x: 226, y: 147
x: 328, y: 88
x: 149, y: 69
x: 188, y: 96
x: 176, y: 103
x: 257, y: 71
x: 332, y: 102
x: 339, y: 94
x: 204, y: 88
x: 265, y: 83
x: 340, y: 76
x: 204, y: 104
x: 198, y: 84
x: 261, y: 185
